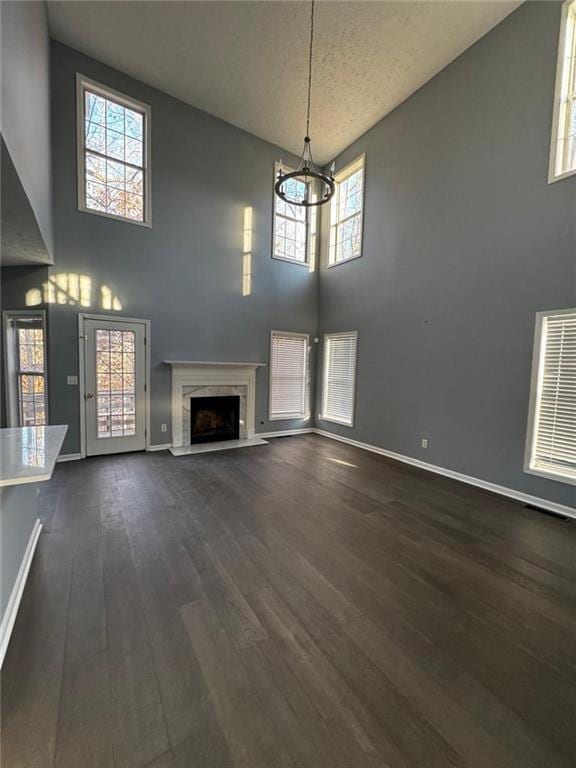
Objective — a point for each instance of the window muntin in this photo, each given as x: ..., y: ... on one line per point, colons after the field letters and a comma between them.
x: 113, y: 159
x: 346, y: 209
x: 291, y: 223
x: 563, y: 154
x: 115, y: 383
x: 289, y: 376
x: 551, y: 448
x: 339, y: 377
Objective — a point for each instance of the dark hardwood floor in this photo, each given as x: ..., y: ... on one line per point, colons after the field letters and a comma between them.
x: 301, y: 605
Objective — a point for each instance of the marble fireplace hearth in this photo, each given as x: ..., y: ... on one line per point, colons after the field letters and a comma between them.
x: 192, y: 379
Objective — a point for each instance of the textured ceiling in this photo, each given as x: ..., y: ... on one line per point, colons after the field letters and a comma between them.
x: 246, y: 62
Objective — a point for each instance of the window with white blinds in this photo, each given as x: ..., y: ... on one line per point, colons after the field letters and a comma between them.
x: 552, y: 429
x: 289, y: 376
x: 339, y: 379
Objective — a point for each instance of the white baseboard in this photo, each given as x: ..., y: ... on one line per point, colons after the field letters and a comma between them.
x: 69, y: 457
x: 286, y: 432
x: 17, y: 591
x: 160, y: 447
x: 535, y: 501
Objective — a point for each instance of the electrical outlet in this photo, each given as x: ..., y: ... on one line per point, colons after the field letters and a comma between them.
x: 72, y: 380
x: 164, y: 428
x: 424, y: 442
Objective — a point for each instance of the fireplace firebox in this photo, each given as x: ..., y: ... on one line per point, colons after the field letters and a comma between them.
x: 214, y: 418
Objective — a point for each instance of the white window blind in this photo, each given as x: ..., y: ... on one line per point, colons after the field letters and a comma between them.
x: 339, y: 377
x: 289, y: 376
x: 553, y: 418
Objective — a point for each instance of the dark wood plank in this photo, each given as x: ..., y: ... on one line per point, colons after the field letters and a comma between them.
x: 302, y: 605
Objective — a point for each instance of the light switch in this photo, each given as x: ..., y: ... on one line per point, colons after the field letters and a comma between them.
x: 72, y: 379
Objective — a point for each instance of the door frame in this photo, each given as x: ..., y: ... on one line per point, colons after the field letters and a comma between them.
x: 82, y: 317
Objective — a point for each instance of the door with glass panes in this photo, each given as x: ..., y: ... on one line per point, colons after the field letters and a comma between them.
x: 114, y: 386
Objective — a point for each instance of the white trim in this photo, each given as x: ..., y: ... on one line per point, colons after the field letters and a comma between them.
x: 11, y: 397
x: 537, y: 366
x: 17, y: 591
x: 306, y: 412
x: 322, y: 416
x: 286, y: 432
x: 306, y: 262
x: 160, y: 447
x: 568, y: 8
x: 348, y: 170
x: 211, y: 374
x: 82, y: 316
x: 69, y: 457
x: 138, y: 106
x: 526, y: 498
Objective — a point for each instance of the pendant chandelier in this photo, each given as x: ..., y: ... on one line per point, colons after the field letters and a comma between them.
x: 306, y: 172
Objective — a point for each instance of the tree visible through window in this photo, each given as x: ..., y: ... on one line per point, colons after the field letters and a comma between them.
x: 346, y: 214
x: 26, y: 345
x: 291, y: 225
x: 114, y: 138
x: 563, y: 158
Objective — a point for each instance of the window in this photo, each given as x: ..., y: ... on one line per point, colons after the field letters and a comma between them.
x: 563, y: 154
x: 289, y: 384
x: 551, y: 448
x: 346, y: 214
x: 26, y: 369
x: 113, y: 154
x: 339, y: 377
x: 291, y: 223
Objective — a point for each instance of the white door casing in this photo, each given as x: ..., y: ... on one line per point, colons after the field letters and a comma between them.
x: 113, y: 385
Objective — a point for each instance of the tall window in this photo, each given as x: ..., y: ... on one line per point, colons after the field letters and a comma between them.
x: 113, y: 154
x: 346, y: 210
x: 563, y: 154
x: 26, y: 369
x: 289, y: 383
x: 291, y: 241
x: 339, y: 377
x: 551, y: 448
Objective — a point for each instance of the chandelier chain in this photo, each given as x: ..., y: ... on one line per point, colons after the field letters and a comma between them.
x: 310, y: 67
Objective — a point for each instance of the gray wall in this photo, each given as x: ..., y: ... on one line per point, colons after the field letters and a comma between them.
x: 25, y: 114
x: 185, y: 273
x: 464, y: 242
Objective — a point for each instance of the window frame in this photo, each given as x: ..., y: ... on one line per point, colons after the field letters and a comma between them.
x: 12, y: 370
x: 308, y: 223
x: 537, y: 364
x: 564, y: 81
x: 306, y: 413
x: 84, y: 83
x: 342, y: 175
x: 323, y: 415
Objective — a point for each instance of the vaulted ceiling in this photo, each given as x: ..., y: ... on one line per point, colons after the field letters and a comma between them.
x: 246, y: 62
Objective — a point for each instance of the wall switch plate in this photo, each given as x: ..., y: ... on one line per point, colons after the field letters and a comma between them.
x: 163, y: 427
x: 424, y: 442
x: 72, y: 379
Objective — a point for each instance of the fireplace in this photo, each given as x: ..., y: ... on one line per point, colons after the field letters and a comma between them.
x: 214, y: 418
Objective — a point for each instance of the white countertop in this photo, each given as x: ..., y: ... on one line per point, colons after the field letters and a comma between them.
x: 28, y: 454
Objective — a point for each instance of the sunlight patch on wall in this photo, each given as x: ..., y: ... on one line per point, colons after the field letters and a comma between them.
x: 247, y: 252
x: 73, y: 289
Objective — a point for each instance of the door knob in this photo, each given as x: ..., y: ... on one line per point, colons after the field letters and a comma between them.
x: 88, y: 396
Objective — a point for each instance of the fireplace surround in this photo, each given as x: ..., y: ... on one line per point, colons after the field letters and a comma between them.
x: 195, y: 379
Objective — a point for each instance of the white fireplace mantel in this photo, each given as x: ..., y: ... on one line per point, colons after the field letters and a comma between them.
x: 198, y: 373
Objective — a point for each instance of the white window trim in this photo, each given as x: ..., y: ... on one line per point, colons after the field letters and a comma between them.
x: 83, y: 82
x: 306, y: 413
x: 323, y: 416
x: 537, y: 362
x: 307, y: 262
x: 567, y: 27
x: 11, y: 389
x: 348, y: 170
